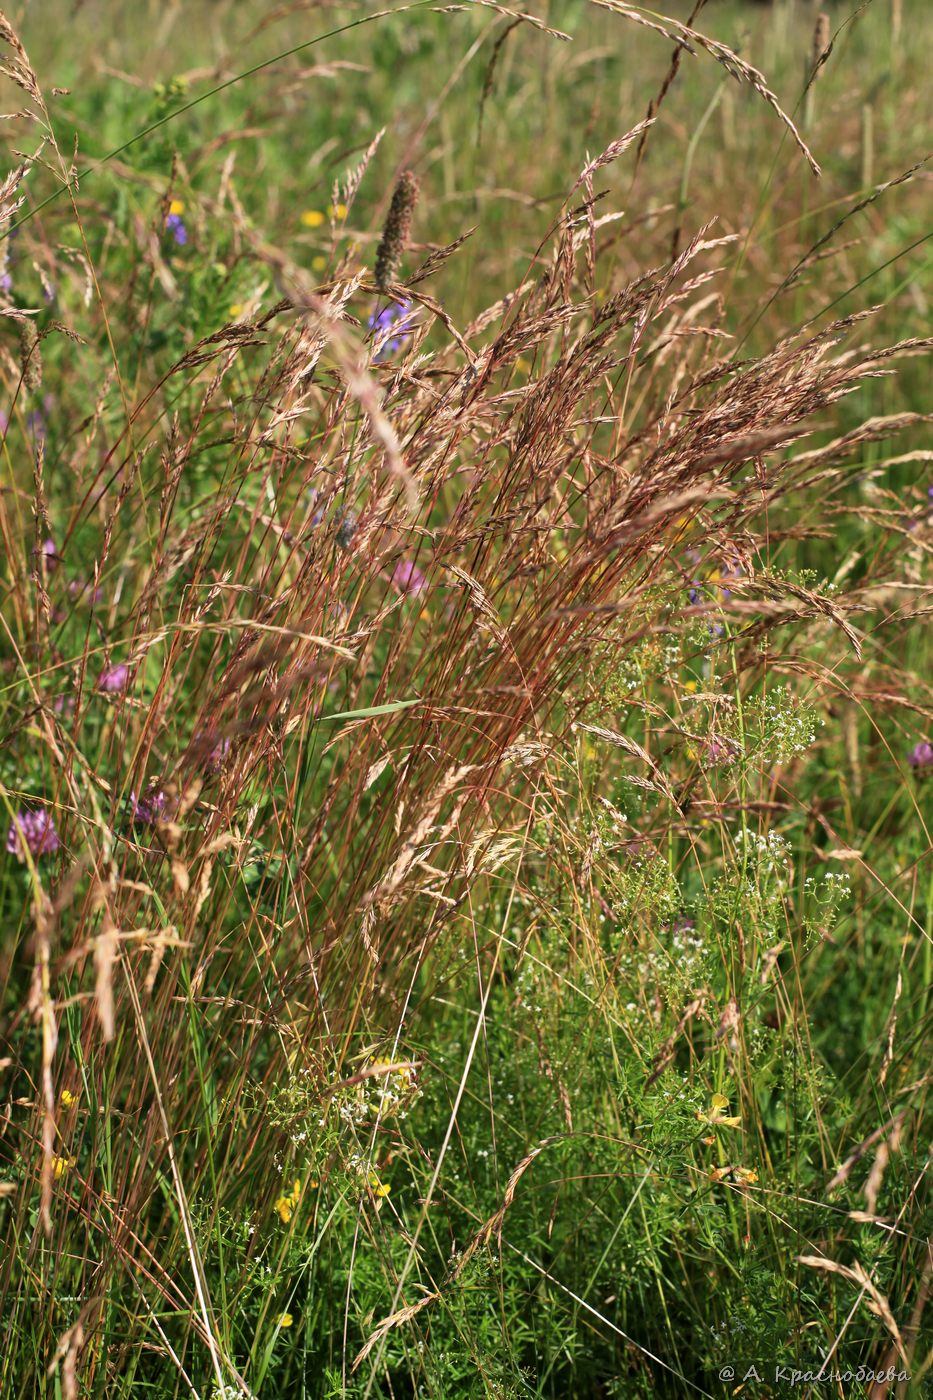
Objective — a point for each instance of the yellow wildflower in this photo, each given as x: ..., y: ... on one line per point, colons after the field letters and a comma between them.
x: 717, y: 1115
x: 62, y: 1164
x: 284, y: 1320
x: 742, y: 1176
x: 319, y: 262
x: 235, y: 311
x: 690, y: 687
x: 68, y: 1098
x: 285, y: 1205
x: 378, y: 1188
x: 176, y: 207
x: 312, y: 218
x: 337, y: 211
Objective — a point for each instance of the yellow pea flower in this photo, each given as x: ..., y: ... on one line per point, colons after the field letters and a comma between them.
x: 742, y: 1176
x: 68, y: 1098
x: 284, y: 1320
x: 378, y: 1188
x: 285, y: 1205
x: 312, y: 218
x: 337, y: 211
x: 176, y: 207
x: 717, y: 1115
x: 235, y: 311
x: 60, y: 1165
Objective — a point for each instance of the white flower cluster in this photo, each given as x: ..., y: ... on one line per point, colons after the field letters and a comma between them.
x: 388, y: 1090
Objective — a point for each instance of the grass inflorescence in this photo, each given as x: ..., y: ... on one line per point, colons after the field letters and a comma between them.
x: 464, y: 716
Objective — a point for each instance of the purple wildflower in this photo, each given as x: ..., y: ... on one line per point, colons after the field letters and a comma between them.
x: 82, y: 592
x: 114, y: 679
x: 210, y: 751
x: 391, y: 327
x: 921, y: 756
x: 6, y: 282
x: 148, y: 809
x: 408, y: 578
x: 47, y: 552
x: 175, y: 225
x: 35, y: 425
x: 37, y: 829
x: 314, y: 503
x: 718, y: 751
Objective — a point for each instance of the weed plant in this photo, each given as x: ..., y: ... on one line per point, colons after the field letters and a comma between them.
x: 466, y: 909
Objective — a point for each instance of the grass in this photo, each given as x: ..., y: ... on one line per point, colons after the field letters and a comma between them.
x: 483, y: 943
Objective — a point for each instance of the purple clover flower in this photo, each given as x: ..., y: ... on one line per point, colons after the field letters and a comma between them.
x: 408, y: 578
x: 210, y: 751
x: 82, y: 592
x: 391, y: 327
x: 718, y: 751
x: 47, y: 553
x: 148, y: 809
x: 175, y: 225
x: 37, y: 830
x: 921, y: 756
x: 114, y: 679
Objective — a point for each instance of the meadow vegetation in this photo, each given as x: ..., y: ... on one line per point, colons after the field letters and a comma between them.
x: 465, y: 705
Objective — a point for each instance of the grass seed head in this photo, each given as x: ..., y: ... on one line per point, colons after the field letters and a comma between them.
x: 396, y: 231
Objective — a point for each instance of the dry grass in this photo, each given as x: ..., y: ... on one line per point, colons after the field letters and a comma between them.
x: 365, y: 600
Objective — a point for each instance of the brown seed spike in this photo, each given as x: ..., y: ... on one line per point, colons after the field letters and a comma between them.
x: 29, y: 358
x: 820, y: 41
x: 396, y: 231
